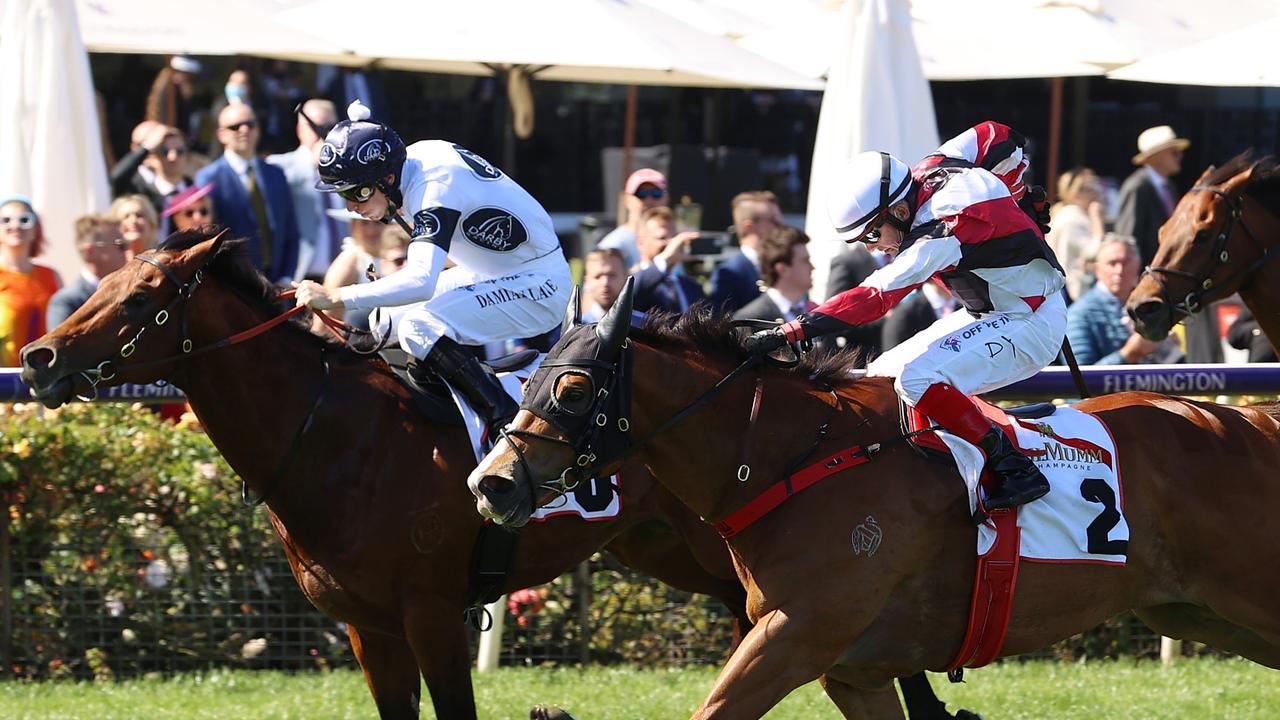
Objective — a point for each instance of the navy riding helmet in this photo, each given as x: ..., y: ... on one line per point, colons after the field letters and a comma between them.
x: 358, y: 155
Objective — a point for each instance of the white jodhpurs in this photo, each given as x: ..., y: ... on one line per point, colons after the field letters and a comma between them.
x: 474, y: 309
x: 976, y: 354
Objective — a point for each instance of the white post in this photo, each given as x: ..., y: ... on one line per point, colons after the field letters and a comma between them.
x: 491, y: 639
x: 1170, y: 650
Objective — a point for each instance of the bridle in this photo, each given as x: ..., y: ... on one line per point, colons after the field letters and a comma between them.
x: 597, y: 442
x: 1202, y: 282
x: 108, y: 369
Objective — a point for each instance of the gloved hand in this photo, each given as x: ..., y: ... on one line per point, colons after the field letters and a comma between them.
x: 763, y: 342
x: 1036, y: 204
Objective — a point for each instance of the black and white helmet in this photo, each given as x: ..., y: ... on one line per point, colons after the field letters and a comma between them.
x: 358, y: 154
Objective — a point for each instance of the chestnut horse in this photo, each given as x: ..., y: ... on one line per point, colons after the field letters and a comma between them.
x: 1200, y: 493
x: 371, y: 505
x: 1223, y: 237
x: 369, y: 501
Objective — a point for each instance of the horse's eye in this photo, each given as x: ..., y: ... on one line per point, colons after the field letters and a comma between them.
x: 137, y: 299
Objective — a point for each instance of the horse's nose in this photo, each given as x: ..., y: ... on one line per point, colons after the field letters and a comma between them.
x: 38, y: 357
x: 496, y: 485
x: 1148, y: 312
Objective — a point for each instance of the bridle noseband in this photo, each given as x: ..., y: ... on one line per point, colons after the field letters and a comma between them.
x: 1202, y: 282
x: 599, y: 443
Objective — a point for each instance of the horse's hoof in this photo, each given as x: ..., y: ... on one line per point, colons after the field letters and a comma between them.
x: 966, y: 715
x: 548, y: 712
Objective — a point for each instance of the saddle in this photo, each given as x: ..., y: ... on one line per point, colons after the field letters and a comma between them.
x: 433, y: 397
x: 922, y: 438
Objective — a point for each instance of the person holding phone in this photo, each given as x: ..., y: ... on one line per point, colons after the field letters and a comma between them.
x: 662, y: 250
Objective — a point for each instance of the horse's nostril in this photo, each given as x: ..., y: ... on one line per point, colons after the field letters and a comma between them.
x: 38, y: 358
x: 1148, y: 309
x: 496, y: 485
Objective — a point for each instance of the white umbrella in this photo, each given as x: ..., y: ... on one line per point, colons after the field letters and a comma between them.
x: 606, y: 41
x: 1240, y: 58
x: 51, y: 145
x: 877, y: 99
x: 221, y: 27
x: 999, y: 39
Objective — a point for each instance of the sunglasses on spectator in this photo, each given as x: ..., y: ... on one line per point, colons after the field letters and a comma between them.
x: 197, y: 212
x: 646, y: 193
x: 179, y: 151
x: 25, y: 221
x: 117, y: 243
x: 246, y: 124
x: 357, y: 194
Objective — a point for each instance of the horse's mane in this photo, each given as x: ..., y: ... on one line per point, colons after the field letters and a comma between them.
x: 1265, y: 183
x: 233, y: 266
x: 708, y: 331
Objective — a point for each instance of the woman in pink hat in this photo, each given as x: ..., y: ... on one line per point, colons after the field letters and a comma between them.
x: 191, y: 208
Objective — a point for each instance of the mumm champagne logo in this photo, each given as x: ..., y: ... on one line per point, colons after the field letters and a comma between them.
x: 1066, y: 450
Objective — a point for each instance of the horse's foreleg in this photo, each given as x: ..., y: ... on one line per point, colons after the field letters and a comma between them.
x: 923, y: 704
x: 776, y: 657
x: 438, y: 637
x: 859, y: 704
x: 389, y: 670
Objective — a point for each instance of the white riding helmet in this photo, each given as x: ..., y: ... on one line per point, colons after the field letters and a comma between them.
x: 865, y: 189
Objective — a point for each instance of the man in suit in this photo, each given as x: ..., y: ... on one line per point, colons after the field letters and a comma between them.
x: 604, y: 273
x: 788, y: 277
x: 101, y: 247
x: 1147, y: 197
x: 155, y: 167
x: 661, y: 252
x: 736, y: 281
x: 251, y: 197
x: 320, y: 234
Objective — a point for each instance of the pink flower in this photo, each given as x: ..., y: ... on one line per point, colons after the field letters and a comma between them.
x: 99, y: 488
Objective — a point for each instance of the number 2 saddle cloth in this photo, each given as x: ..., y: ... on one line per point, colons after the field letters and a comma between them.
x: 1082, y: 517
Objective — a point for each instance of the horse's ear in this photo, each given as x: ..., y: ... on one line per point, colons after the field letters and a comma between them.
x: 572, y: 312
x: 218, y: 240
x: 613, y: 327
x: 1205, y: 175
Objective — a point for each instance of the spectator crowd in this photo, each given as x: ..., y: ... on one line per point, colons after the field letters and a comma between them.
x: 191, y: 166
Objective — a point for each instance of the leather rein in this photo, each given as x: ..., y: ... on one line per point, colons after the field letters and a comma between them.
x: 108, y: 369
x: 1202, y: 282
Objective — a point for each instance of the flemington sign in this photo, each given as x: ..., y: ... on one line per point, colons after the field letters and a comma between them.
x: 1054, y: 382
x: 12, y: 390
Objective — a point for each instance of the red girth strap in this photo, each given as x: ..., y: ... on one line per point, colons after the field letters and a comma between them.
x: 993, y: 591
x: 782, y: 490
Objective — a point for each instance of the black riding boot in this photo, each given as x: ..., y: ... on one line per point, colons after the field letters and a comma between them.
x: 1020, y: 481
x: 477, y: 383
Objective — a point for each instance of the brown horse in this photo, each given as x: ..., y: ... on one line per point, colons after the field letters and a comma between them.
x: 371, y: 505
x: 1223, y: 237
x: 1200, y: 492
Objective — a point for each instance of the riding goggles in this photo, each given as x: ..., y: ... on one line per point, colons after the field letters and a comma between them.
x: 357, y: 194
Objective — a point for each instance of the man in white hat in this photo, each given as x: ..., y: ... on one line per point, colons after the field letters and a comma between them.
x: 1147, y: 197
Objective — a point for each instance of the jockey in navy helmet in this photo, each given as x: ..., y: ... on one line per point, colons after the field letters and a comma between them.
x: 509, y: 279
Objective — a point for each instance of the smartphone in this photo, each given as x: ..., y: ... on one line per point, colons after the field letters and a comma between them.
x: 708, y: 243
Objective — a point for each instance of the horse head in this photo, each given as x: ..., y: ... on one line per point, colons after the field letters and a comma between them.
x: 575, y: 401
x: 132, y: 329
x: 1210, y: 247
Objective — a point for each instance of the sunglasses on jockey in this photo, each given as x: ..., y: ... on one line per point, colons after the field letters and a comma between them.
x: 358, y: 194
